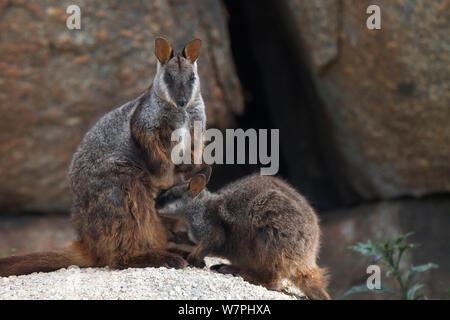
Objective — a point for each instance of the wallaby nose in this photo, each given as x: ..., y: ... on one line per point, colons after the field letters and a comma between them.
x: 181, y: 102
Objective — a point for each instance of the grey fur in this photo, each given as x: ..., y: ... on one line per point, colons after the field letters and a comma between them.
x: 242, y: 205
x: 116, y: 157
x: 261, y: 224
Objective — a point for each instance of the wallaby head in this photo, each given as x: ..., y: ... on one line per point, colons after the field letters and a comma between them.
x: 177, y: 200
x: 176, y: 80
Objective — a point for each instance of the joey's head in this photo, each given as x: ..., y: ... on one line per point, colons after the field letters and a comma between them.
x: 176, y: 80
x: 181, y: 200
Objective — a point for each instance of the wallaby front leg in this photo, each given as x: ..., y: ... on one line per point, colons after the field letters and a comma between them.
x: 207, y: 245
x: 197, y: 257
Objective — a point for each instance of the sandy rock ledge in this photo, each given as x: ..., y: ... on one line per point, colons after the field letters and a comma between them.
x: 147, y: 283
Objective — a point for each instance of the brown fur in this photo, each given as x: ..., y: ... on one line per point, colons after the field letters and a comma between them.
x: 192, y: 50
x: 115, y: 176
x: 137, y: 239
x: 46, y: 261
x: 267, y: 230
x: 163, y: 50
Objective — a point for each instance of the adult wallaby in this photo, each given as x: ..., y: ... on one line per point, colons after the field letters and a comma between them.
x: 262, y: 225
x: 118, y: 169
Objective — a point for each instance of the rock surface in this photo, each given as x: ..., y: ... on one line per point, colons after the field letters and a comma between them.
x: 386, y: 92
x: 31, y: 233
x: 55, y: 83
x: 136, y: 284
x: 340, y: 229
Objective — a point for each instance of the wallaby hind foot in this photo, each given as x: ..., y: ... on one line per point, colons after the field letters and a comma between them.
x: 313, y: 283
x: 271, y: 283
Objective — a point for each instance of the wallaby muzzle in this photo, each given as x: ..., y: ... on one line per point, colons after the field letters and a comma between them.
x: 181, y: 102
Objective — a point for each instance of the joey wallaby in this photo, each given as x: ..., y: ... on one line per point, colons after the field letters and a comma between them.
x: 262, y: 225
x: 120, y: 166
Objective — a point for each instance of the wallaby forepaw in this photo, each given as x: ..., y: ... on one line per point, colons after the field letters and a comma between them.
x: 196, y: 262
x: 216, y: 267
x: 225, y: 269
x: 176, y: 262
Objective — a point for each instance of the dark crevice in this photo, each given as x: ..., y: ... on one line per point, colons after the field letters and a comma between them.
x: 279, y: 93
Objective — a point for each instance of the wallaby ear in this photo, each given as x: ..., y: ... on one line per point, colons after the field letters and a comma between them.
x: 196, y: 184
x: 191, y: 50
x: 163, y: 50
x: 206, y: 171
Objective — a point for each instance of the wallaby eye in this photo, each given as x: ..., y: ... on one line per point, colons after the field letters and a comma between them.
x: 168, y: 78
x: 192, y: 78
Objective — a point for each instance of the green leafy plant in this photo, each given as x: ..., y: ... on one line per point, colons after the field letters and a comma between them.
x: 389, y: 255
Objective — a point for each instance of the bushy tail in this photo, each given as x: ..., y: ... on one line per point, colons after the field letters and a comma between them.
x: 47, y: 261
x: 313, y: 283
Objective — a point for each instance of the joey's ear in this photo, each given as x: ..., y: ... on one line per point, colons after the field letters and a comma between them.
x: 191, y: 50
x: 163, y: 50
x: 206, y: 171
x: 197, y: 183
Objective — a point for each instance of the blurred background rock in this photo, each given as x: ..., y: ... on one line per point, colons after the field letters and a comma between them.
x: 364, y: 115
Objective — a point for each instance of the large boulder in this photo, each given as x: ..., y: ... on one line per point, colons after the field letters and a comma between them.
x: 55, y: 83
x: 386, y: 93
